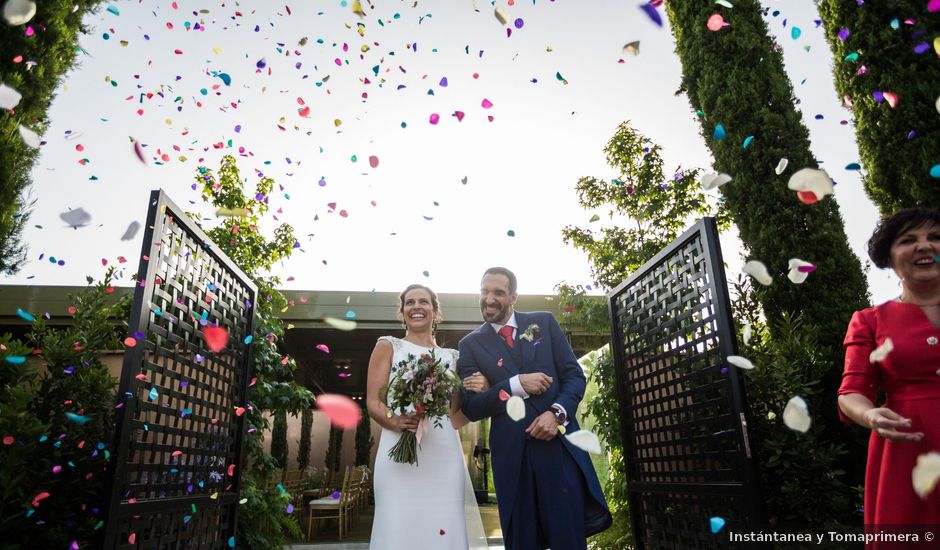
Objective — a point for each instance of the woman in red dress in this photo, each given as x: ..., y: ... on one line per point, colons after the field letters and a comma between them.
x: 907, y: 424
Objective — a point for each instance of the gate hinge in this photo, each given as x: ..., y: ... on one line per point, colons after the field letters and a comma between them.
x: 747, y: 440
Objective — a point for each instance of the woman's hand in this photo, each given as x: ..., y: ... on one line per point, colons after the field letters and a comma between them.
x: 407, y: 422
x: 887, y: 423
x: 476, y: 383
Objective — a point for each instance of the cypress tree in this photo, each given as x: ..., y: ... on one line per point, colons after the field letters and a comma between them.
x: 279, y: 438
x: 883, y: 48
x: 306, y: 432
x: 735, y: 78
x: 364, y: 440
x: 35, y: 57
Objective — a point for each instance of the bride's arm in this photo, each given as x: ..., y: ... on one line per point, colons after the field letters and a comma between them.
x: 457, y: 418
x: 380, y: 364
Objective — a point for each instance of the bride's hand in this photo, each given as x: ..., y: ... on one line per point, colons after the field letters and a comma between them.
x: 406, y: 423
x: 476, y: 383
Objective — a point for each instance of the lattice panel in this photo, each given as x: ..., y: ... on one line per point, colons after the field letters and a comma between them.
x: 178, y: 529
x: 682, y: 409
x: 182, y: 426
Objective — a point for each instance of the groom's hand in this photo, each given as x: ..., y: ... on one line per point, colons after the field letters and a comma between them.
x: 544, y: 427
x: 535, y: 383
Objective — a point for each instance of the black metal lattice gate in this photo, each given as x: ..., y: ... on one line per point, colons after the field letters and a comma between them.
x: 683, y: 411
x: 180, y: 423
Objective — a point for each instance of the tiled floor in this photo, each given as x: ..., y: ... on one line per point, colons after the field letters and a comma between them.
x: 327, y: 537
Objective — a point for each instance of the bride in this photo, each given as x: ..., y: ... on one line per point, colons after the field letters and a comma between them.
x: 429, y: 504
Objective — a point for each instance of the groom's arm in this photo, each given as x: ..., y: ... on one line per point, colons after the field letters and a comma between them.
x: 477, y: 406
x: 571, y: 378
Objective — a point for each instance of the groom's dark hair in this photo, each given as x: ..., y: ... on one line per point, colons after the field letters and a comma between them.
x: 513, y: 284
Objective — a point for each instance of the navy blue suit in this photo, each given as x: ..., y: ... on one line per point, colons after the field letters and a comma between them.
x: 546, y: 491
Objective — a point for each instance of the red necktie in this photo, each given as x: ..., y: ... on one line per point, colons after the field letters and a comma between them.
x: 506, y: 333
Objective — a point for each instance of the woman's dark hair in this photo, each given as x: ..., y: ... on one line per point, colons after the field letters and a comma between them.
x: 435, y: 303
x: 513, y: 284
x: 890, y: 228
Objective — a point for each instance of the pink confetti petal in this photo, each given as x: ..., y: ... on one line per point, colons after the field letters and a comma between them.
x: 435, y: 118
x: 486, y: 104
x: 324, y: 348
x: 716, y: 22
x: 373, y: 161
x: 342, y: 411
x: 503, y: 396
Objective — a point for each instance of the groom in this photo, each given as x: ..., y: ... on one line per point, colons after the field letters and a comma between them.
x: 548, y: 492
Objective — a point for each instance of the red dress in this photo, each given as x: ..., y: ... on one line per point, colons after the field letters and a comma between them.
x: 910, y: 377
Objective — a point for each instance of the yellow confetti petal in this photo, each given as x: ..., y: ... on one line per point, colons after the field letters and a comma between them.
x: 796, y: 415
x: 501, y: 15
x: 926, y: 473
x: 515, y: 408
x: 340, y: 324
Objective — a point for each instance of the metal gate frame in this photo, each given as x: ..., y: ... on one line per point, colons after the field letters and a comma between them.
x: 684, y: 465
x: 180, y: 426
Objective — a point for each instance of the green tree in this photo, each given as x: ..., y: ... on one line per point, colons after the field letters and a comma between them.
x: 279, y: 438
x: 735, y: 77
x: 877, y: 49
x: 306, y: 432
x: 659, y: 206
x: 262, y: 522
x: 33, y: 64
x: 364, y: 440
x: 58, y: 421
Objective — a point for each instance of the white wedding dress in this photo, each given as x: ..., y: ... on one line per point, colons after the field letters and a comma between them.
x: 429, y: 505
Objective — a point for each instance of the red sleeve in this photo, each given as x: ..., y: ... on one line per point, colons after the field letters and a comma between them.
x: 860, y: 375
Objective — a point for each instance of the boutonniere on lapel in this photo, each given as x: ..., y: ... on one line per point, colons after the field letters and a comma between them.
x: 531, y: 334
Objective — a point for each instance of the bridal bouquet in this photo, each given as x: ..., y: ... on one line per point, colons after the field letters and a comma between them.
x: 422, y: 385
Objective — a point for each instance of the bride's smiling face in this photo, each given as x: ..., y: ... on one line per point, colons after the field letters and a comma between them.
x: 417, y: 309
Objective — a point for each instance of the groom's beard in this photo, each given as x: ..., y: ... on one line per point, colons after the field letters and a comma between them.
x: 500, y: 316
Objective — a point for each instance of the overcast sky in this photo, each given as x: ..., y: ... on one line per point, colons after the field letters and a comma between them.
x: 445, y: 200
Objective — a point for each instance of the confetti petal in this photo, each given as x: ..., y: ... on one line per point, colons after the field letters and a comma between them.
x: 882, y: 351
x: 586, y: 441
x: 18, y: 12
x: 515, y: 408
x: 799, y: 270
x: 811, y: 180
x: 714, y: 181
x: 30, y: 138
x: 740, y: 362
x: 76, y: 218
x: 747, y: 334
x: 323, y: 347
x: 926, y: 473
x: 501, y: 15
x: 340, y: 324
x: 651, y: 12
x: 216, y: 338
x: 342, y: 411
x: 758, y: 270
x: 796, y: 415
x: 633, y: 48
x: 716, y: 524
x: 781, y: 166
x: 715, y: 22
x: 131, y: 230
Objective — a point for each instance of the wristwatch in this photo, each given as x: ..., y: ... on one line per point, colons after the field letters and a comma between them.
x: 560, y: 415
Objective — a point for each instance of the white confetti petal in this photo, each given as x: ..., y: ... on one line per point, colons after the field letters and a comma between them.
x: 740, y: 362
x: 586, y: 441
x: 501, y: 15
x: 714, y: 181
x: 30, y: 137
x: 340, y: 324
x: 747, y: 334
x: 18, y: 12
x: 76, y: 218
x: 515, y: 408
x: 632, y: 48
x: 937, y: 104
x: 813, y: 180
x: 881, y: 351
x: 781, y: 166
x: 131, y: 230
x: 724, y: 3
x: 9, y: 97
x: 796, y: 275
x: 796, y: 415
x: 758, y: 270
x: 926, y: 473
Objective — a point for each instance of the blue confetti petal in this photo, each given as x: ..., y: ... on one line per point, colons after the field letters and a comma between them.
x: 249, y: 339
x: 15, y: 359
x: 77, y: 418
x: 231, y: 542
x: 114, y: 10
x: 853, y: 166
x: 935, y: 171
x: 652, y: 14
x: 26, y: 316
x: 719, y: 132
x: 747, y: 141
x: 153, y: 394
x: 717, y: 523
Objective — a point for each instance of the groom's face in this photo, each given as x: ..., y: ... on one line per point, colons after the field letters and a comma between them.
x: 495, y: 300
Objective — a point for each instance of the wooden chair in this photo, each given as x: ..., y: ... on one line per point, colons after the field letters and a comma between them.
x: 327, y: 508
